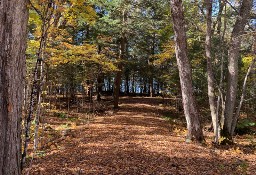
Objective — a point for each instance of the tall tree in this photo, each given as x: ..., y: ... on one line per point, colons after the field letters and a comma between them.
x: 233, y: 56
x: 36, y: 89
x: 13, y: 24
x: 118, y: 77
x: 114, y: 24
x: 185, y: 73
x: 210, y: 76
x: 121, y: 57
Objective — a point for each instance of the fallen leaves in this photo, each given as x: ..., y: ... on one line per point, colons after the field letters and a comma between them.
x: 135, y: 140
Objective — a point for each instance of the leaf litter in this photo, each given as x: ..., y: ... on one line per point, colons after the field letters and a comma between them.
x: 137, y: 139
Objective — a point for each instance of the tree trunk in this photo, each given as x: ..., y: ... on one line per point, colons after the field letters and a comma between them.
x: 233, y: 55
x: 100, y: 79
x: 133, y: 84
x: 145, y: 86
x: 189, y: 103
x: 119, y: 73
x: 151, y: 78
x: 122, y: 50
x: 127, y: 80
x: 117, y: 87
x: 210, y: 76
x: 100, y: 82
x: 234, y: 122
x: 13, y: 36
x: 151, y: 88
x: 222, y: 47
x: 38, y: 77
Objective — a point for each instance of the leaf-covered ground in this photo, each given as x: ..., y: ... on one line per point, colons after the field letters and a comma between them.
x: 136, y: 139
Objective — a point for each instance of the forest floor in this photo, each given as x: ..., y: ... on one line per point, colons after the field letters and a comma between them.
x: 144, y: 136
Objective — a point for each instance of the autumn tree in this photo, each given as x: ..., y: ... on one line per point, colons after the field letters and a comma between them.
x: 13, y: 24
x: 112, y: 24
x: 45, y: 12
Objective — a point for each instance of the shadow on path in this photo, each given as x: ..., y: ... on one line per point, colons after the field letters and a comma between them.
x: 134, y: 141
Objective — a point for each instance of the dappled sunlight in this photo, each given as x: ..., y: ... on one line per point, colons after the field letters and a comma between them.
x: 134, y: 142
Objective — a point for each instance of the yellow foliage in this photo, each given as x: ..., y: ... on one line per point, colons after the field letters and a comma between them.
x: 80, y: 54
x: 32, y: 46
x: 77, y: 11
x: 60, y: 47
x: 167, y: 54
x: 247, y: 60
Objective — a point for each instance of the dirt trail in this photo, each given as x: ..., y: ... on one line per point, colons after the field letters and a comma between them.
x: 135, y: 140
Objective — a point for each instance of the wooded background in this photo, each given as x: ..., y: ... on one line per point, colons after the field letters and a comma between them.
x: 201, y: 54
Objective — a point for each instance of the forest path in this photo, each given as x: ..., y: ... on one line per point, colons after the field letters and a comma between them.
x: 133, y: 140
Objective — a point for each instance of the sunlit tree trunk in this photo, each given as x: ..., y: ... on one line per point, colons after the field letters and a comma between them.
x: 13, y: 25
x: 210, y: 76
x: 185, y: 73
x: 233, y: 55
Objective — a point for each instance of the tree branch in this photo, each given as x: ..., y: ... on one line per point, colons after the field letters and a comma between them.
x: 37, y: 10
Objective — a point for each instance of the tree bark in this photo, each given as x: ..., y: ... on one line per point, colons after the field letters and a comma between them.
x: 13, y: 36
x: 117, y: 88
x: 185, y: 73
x: 100, y: 82
x: 234, y: 122
x: 222, y: 47
x: 118, y: 77
x: 210, y: 76
x: 233, y: 55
